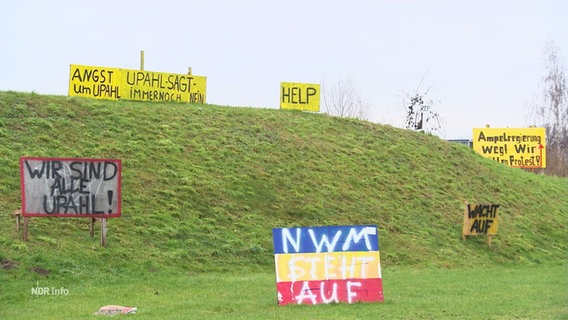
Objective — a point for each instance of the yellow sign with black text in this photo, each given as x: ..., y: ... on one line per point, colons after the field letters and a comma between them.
x: 124, y: 84
x: 480, y: 219
x: 514, y: 147
x: 300, y: 96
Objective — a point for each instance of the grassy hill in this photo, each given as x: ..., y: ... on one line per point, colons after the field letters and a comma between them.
x: 204, y: 185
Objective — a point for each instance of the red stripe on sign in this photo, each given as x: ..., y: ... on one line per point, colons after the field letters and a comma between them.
x: 330, y: 291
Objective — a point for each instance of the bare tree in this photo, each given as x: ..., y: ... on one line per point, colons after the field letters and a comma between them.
x: 343, y: 99
x: 419, y: 114
x: 553, y: 113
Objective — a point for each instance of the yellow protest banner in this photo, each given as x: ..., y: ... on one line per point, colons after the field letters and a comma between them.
x: 514, y: 147
x: 95, y: 82
x: 300, y: 96
x: 115, y: 83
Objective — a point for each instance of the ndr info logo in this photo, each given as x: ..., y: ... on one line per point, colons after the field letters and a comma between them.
x: 48, y: 291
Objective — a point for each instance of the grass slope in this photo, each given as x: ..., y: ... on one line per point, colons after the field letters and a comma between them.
x: 204, y: 185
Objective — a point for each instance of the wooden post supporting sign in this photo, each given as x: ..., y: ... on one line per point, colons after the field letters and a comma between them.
x: 18, y: 216
x: 93, y: 227
x: 103, y: 231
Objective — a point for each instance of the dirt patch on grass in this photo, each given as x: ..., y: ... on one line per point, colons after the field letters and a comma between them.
x: 8, y: 264
x: 39, y: 270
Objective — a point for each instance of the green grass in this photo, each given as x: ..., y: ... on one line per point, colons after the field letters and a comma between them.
x: 471, y: 293
x: 204, y: 185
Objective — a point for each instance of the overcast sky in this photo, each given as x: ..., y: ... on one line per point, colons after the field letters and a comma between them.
x: 481, y: 62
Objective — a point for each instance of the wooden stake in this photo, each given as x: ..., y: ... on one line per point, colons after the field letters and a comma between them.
x: 93, y: 227
x: 26, y: 228
x: 18, y: 216
x: 465, y: 219
x: 103, y: 232
x: 142, y: 60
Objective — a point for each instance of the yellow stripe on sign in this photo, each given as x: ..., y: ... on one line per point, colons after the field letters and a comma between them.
x: 300, y: 96
x: 327, y: 266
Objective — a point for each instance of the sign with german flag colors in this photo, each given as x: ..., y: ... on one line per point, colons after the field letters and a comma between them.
x: 333, y: 264
x: 514, y: 147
